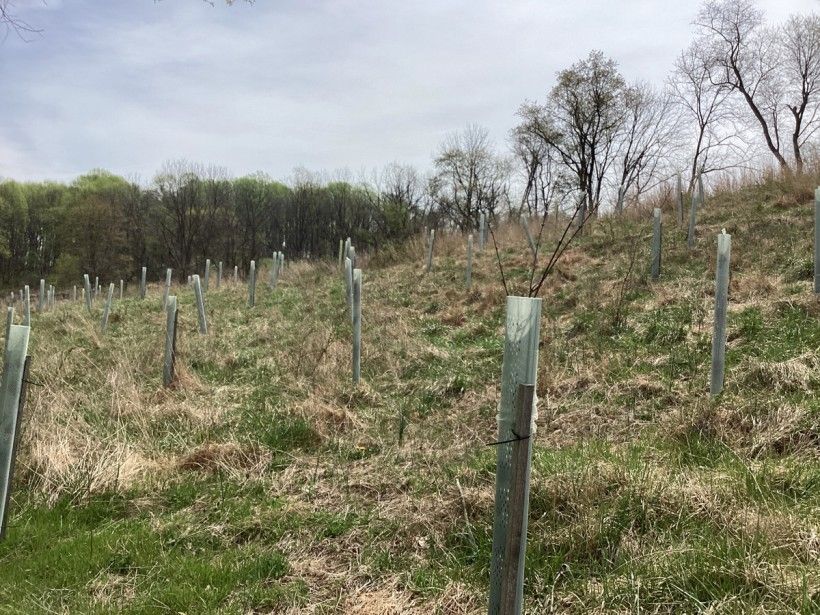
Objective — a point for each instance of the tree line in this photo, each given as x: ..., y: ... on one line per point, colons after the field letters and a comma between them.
x: 108, y: 226
x: 743, y: 95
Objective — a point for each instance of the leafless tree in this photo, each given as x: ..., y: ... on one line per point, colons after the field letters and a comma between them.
x: 716, y: 146
x: 469, y: 177
x: 543, y: 176
x: 741, y: 55
x: 644, y: 141
x: 800, y: 41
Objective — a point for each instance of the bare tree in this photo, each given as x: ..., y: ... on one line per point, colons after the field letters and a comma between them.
x: 716, y: 146
x: 469, y: 177
x: 580, y: 122
x: 800, y: 40
x: 645, y: 139
x: 543, y: 176
x: 741, y: 56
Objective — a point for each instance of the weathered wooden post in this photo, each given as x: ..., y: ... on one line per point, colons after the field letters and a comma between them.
x: 204, y: 283
x: 27, y: 306
x: 349, y: 285
x: 121, y: 289
x: 431, y: 240
x: 167, y: 291
x: 200, y: 306
x: 41, y: 300
x: 656, y: 243
x: 107, y: 309
x: 87, y: 291
x: 690, y: 237
x: 468, y: 275
x: 817, y: 241
x: 724, y: 257
x: 143, y: 275
x: 482, y: 230
x: 170, y: 340
x: 252, y: 285
x: 12, y: 402
x: 219, y: 275
x: 679, y: 202
x: 519, y: 367
x: 357, y: 325
x: 511, y: 599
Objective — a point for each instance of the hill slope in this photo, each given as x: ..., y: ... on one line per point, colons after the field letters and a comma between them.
x: 265, y: 482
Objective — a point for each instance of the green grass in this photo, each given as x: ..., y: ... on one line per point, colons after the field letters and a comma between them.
x: 266, y: 482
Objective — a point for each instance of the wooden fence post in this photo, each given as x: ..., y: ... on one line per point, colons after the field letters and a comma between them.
x: 167, y: 290
x: 107, y: 309
x: 656, y: 243
x: 12, y: 402
x: 170, y: 340
x: 252, y: 285
x: 87, y: 290
x: 724, y: 256
x: 200, y: 306
x: 520, y: 366
x: 357, y: 325
x: 143, y: 275
x: 518, y: 503
x: 468, y: 275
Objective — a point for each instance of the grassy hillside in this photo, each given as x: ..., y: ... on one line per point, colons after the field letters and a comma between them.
x: 265, y: 482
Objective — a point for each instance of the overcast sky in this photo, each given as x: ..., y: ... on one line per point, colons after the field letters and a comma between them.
x: 337, y: 84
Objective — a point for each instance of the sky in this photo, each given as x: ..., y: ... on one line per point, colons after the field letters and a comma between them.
x: 325, y: 85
